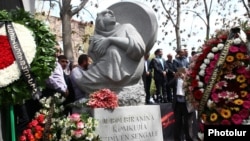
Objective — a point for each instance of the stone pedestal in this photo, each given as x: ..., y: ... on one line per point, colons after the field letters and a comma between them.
x: 131, y: 95
x: 129, y: 123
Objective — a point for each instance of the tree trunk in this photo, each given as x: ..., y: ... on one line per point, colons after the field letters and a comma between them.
x: 66, y: 35
x: 66, y: 15
x: 177, y: 28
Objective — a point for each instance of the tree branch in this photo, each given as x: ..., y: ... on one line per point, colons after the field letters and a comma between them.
x: 168, y: 13
x: 246, y: 7
x: 197, y: 14
x: 79, y: 7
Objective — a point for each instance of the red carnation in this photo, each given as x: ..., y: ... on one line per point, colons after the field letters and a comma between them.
x: 198, y: 95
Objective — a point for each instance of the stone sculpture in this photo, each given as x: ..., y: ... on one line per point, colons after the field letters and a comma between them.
x: 117, y: 51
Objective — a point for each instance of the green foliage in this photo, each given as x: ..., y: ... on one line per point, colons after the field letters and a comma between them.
x: 43, y: 63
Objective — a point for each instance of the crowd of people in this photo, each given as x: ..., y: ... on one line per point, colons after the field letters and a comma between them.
x: 169, y: 78
x: 162, y: 71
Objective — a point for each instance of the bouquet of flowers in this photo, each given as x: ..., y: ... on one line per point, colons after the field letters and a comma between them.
x: 51, y: 124
x: 218, y: 79
x: 104, y: 98
x: 34, y: 130
x: 77, y: 127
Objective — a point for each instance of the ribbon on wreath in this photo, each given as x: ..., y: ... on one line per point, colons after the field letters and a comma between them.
x: 21, y: 60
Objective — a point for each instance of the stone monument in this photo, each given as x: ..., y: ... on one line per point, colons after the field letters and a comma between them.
x: 124, y: 32
x: 127, y: 124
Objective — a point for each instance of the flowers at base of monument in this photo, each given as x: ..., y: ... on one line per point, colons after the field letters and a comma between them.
x: 228, y: 98
x: 51, y: 111
x: 103, y: 98
x: 37, y: 44
x: 34, y: 130
x: 78, y: 127
x: 51, y: 124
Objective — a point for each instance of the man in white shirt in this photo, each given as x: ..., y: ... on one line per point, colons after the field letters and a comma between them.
x: 179, y: 106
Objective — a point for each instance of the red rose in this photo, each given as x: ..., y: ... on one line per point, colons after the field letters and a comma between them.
x: 22, y: 138
x: 225, y: 122
x: 194, y: 83
x: 40, y: 118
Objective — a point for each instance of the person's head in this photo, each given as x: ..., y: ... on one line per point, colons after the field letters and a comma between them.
x: 146, y: 56
x: 105, y: 19
x: 170, y: 57
x: 181, y: 72
x: 83, y: 61
x: 180, y: 53
x: 63, y: 61
x: 158, y: 53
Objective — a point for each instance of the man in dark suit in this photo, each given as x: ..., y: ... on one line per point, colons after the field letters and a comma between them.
x: 160, y: 76
x: 147, y: 78
x: 170, y: 76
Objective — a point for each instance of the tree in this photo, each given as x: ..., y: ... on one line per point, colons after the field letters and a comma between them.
x: 67, y: 11
x: 183, y: 16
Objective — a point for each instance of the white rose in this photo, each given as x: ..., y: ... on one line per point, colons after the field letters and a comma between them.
x: 201, y: 136
x: 206, y: 61
x: 202, y: 90
x: 200, y: 84
x: 243, y: 36
x: 199, y: 49
x: 220, y: 46
x: 202, y: 73
x: 210, y: 104
x: 237, y: 41
x: 215, y: 49
x: 210, y: 55
x: 203, y: 66
x: 197, y: 77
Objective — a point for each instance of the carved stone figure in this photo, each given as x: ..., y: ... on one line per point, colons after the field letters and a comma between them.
x: 117, y: 51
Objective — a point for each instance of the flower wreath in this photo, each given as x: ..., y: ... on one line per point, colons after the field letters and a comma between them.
x: 226, y: 63
x: 38, y: 46
x: 228, y: 98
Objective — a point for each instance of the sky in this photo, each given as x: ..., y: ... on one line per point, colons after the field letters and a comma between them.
x: 103, y: 4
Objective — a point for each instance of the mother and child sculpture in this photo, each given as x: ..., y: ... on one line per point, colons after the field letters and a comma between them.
x: 117, y: 51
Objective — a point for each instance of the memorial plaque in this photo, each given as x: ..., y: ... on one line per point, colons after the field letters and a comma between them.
x: 129, y: 123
